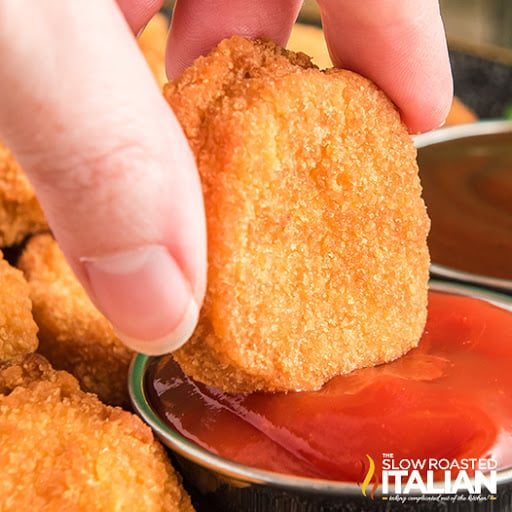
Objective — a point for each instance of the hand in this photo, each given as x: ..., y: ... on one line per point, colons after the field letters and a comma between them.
x: 112, y: 169
x: 110, y: 164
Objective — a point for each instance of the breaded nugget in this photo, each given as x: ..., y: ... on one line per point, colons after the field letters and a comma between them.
x: 460, y: 113
x: 310, y: 40
x: 152, y: 43
x: 317, y: 255
x: 20, y: 213
x: 18, y: 331
x: 62, y: 449
x: 73, y: 334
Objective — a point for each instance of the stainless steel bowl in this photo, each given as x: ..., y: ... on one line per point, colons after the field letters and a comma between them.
x: 479, y: 133
x: 228, y: 486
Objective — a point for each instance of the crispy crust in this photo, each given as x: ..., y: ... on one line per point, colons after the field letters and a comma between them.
x: 18, y: 331
x: 62, y: 449
x: 20, y: 213
x: 318, y: 262
x: 73, y: 334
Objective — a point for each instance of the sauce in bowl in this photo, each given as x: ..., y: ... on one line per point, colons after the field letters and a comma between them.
x: 449, y: 398
x: 467, y: 187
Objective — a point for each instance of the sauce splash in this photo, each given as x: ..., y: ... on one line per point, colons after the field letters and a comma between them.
x: 451, y: 397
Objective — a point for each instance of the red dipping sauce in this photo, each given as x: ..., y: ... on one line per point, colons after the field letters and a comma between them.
x: 449, y: 398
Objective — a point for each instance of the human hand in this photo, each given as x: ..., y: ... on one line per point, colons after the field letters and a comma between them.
x: 111, y: 167
x: 110, y: 164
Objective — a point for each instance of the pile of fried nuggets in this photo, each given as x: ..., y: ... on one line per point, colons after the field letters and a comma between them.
x: 334, y: 209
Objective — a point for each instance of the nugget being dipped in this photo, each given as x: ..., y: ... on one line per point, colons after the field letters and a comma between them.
x: 318, y: 262
x: 62, y: 449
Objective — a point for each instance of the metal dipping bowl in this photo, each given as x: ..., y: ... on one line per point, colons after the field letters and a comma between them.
x: 217, y: 484
x: 481, y: 138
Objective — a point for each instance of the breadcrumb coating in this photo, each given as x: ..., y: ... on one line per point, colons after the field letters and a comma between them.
x: 318, y: 262
x: 18, y: 331
x: 62, y: 449
x: 20, y: 213
x: 73, y: 334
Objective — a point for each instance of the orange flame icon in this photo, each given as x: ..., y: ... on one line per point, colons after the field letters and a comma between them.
x: 368, y: 477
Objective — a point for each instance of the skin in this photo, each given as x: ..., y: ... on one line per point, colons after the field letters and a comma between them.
x: 108, y: 160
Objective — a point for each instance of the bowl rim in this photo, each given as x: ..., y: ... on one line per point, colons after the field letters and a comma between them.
x: 462, y: 131
x: 249, y: 475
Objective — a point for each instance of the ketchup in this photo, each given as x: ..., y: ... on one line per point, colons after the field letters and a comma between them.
x: 451, y: 397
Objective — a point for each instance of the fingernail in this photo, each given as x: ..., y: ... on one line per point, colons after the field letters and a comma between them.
x: 169, y: 342
x: 145, y: 296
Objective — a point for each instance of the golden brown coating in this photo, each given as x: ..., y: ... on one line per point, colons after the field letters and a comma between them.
x: 18, y: 331
x: 62, y: 449
x: 20, y: 213
x: 460, y: 113
x: 317, y: 262
x: 310, y: 40
x: 152, y: 43
x: 73, y: 334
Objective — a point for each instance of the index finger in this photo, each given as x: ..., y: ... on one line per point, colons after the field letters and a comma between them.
x: 401, y: 46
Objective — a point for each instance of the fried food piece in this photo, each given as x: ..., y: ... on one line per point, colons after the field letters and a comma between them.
x: 62, y: 449
x: 20, y: 213
x: 18, y: 331
x: 459, y: 113
x: 310, y: 40
x: 317, y: 255
x: 152, y: 43
x: 73, y: 334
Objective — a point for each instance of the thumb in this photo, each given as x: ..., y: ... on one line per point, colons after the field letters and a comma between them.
x: 401, y: 46
x: 109, y: 163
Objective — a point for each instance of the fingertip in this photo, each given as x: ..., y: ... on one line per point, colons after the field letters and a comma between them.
x: 404, y: 51
x: 146, y: 297
x: 170, y: 341
x: 429, y: 110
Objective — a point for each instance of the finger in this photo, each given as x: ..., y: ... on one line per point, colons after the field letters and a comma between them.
x: 399, y: 45
x: 138, y: 12
x: 199, y: 25
x: 109, y: 162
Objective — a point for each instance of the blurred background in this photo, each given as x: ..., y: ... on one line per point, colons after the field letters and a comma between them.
x: 481, y: 22
x: 480, y: 39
